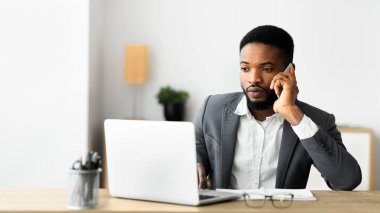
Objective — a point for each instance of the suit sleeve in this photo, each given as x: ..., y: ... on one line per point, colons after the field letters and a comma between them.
x: 202, y: 154
x: 339, y: 169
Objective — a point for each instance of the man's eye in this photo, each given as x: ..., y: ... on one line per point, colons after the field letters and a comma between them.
x: 267, y: 69
x: 244, y: 69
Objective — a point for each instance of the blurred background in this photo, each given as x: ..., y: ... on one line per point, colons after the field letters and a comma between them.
x: 62, y: 66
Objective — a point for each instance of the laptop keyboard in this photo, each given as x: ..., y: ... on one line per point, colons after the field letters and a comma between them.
x: 204, y: 197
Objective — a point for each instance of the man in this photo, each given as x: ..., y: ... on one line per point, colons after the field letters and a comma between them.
x: 264, y: 136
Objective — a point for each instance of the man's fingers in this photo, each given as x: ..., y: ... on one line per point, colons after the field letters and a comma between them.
x: 292, y: 70
x: 271, y: 84
x: 201, y: 176
x: 277, y: 88
x: 203, y: 182
x: 209, y: 184
x: 280, y: 76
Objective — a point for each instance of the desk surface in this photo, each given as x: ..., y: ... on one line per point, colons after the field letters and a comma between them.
x: 54, y: 200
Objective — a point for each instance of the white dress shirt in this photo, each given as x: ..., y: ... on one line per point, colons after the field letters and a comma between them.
x: 258, y: 146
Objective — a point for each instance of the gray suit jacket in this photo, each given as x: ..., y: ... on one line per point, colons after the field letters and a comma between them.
x: 216, y: 128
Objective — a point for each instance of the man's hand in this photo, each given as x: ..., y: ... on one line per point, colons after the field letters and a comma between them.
x: 203, y: 182
x: 286, y: 89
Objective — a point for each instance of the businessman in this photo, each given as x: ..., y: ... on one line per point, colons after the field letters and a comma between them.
x: 264, y: 136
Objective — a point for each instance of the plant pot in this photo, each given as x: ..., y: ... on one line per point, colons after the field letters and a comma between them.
x: 174, y: 111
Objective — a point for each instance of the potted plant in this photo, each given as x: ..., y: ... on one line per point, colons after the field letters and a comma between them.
x: 174, y: 103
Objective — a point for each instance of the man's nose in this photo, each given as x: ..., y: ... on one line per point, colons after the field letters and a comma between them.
x: 255, y: 77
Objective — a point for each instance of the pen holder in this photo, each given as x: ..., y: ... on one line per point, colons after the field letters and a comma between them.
x: 83, y: 189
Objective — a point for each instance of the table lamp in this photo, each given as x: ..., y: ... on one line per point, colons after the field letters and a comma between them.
x: 136, y: 71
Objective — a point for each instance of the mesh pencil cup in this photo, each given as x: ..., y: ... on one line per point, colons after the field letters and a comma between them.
x: 83, y: 189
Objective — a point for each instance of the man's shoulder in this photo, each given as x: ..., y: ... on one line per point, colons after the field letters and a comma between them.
x: 210, y: 115
x: 308, y: 107
x: 225, y: 98
x: 216, y: 104
x: 316, y: 114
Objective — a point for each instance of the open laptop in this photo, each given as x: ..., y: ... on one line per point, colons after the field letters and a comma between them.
x: 155, y: 160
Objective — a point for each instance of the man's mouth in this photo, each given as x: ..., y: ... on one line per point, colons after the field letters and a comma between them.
x: 255, y: 92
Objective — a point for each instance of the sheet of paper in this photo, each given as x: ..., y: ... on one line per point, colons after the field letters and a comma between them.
x: 299, y: 194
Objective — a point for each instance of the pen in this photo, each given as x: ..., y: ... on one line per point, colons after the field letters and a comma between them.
x: 92, y: 162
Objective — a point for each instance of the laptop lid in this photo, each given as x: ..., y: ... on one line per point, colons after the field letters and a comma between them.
x: 152, y: 160
x: 155, y: 160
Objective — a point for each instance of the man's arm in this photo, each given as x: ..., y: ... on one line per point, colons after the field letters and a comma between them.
x: 340, y: 170
x: 203, y: 163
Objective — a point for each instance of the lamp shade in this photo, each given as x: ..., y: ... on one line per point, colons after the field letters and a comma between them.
x: 136, y: 64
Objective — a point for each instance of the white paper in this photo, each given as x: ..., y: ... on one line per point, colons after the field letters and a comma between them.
x: 299, y: 194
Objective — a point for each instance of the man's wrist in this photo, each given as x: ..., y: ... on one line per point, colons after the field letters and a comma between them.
x: 306, y: 128
x: 293, y: 115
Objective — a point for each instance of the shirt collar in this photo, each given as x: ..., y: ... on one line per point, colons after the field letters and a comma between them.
x: 242, y: 109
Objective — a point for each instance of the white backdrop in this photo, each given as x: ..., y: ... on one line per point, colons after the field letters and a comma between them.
x: 52, y: 102
x: 43, y: 90
x: 194, y: 46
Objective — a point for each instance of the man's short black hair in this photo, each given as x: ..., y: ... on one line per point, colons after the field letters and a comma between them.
x: 271, y: 35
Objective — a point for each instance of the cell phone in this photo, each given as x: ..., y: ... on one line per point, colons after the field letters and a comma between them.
x: 286, y: 70
x: 288, y: 67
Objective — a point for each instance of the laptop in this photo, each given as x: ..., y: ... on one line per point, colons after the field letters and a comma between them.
x: 155, y: 161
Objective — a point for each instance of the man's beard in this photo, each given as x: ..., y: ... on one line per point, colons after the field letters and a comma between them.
x: 261, y: 105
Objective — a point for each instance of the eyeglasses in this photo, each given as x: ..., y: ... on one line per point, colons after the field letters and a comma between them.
x: 283, y: 200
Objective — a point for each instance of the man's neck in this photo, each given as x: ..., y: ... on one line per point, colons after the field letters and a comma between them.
x: 261, y: 115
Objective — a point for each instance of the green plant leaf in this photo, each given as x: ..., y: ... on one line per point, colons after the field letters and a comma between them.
x: 170, y: 95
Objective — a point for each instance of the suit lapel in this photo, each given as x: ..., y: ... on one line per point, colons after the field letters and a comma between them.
x: 229, y: 129
x: 288, y: 143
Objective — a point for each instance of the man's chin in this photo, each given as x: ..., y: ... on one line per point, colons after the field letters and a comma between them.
x: 257, y: 100
x: 259, y: 105
x: 262, y: 103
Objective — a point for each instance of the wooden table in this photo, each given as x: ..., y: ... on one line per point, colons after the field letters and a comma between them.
x: 54, y: 200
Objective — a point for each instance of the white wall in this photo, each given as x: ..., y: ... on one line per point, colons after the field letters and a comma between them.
x: 43, y: 90
x: 194, y: 46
